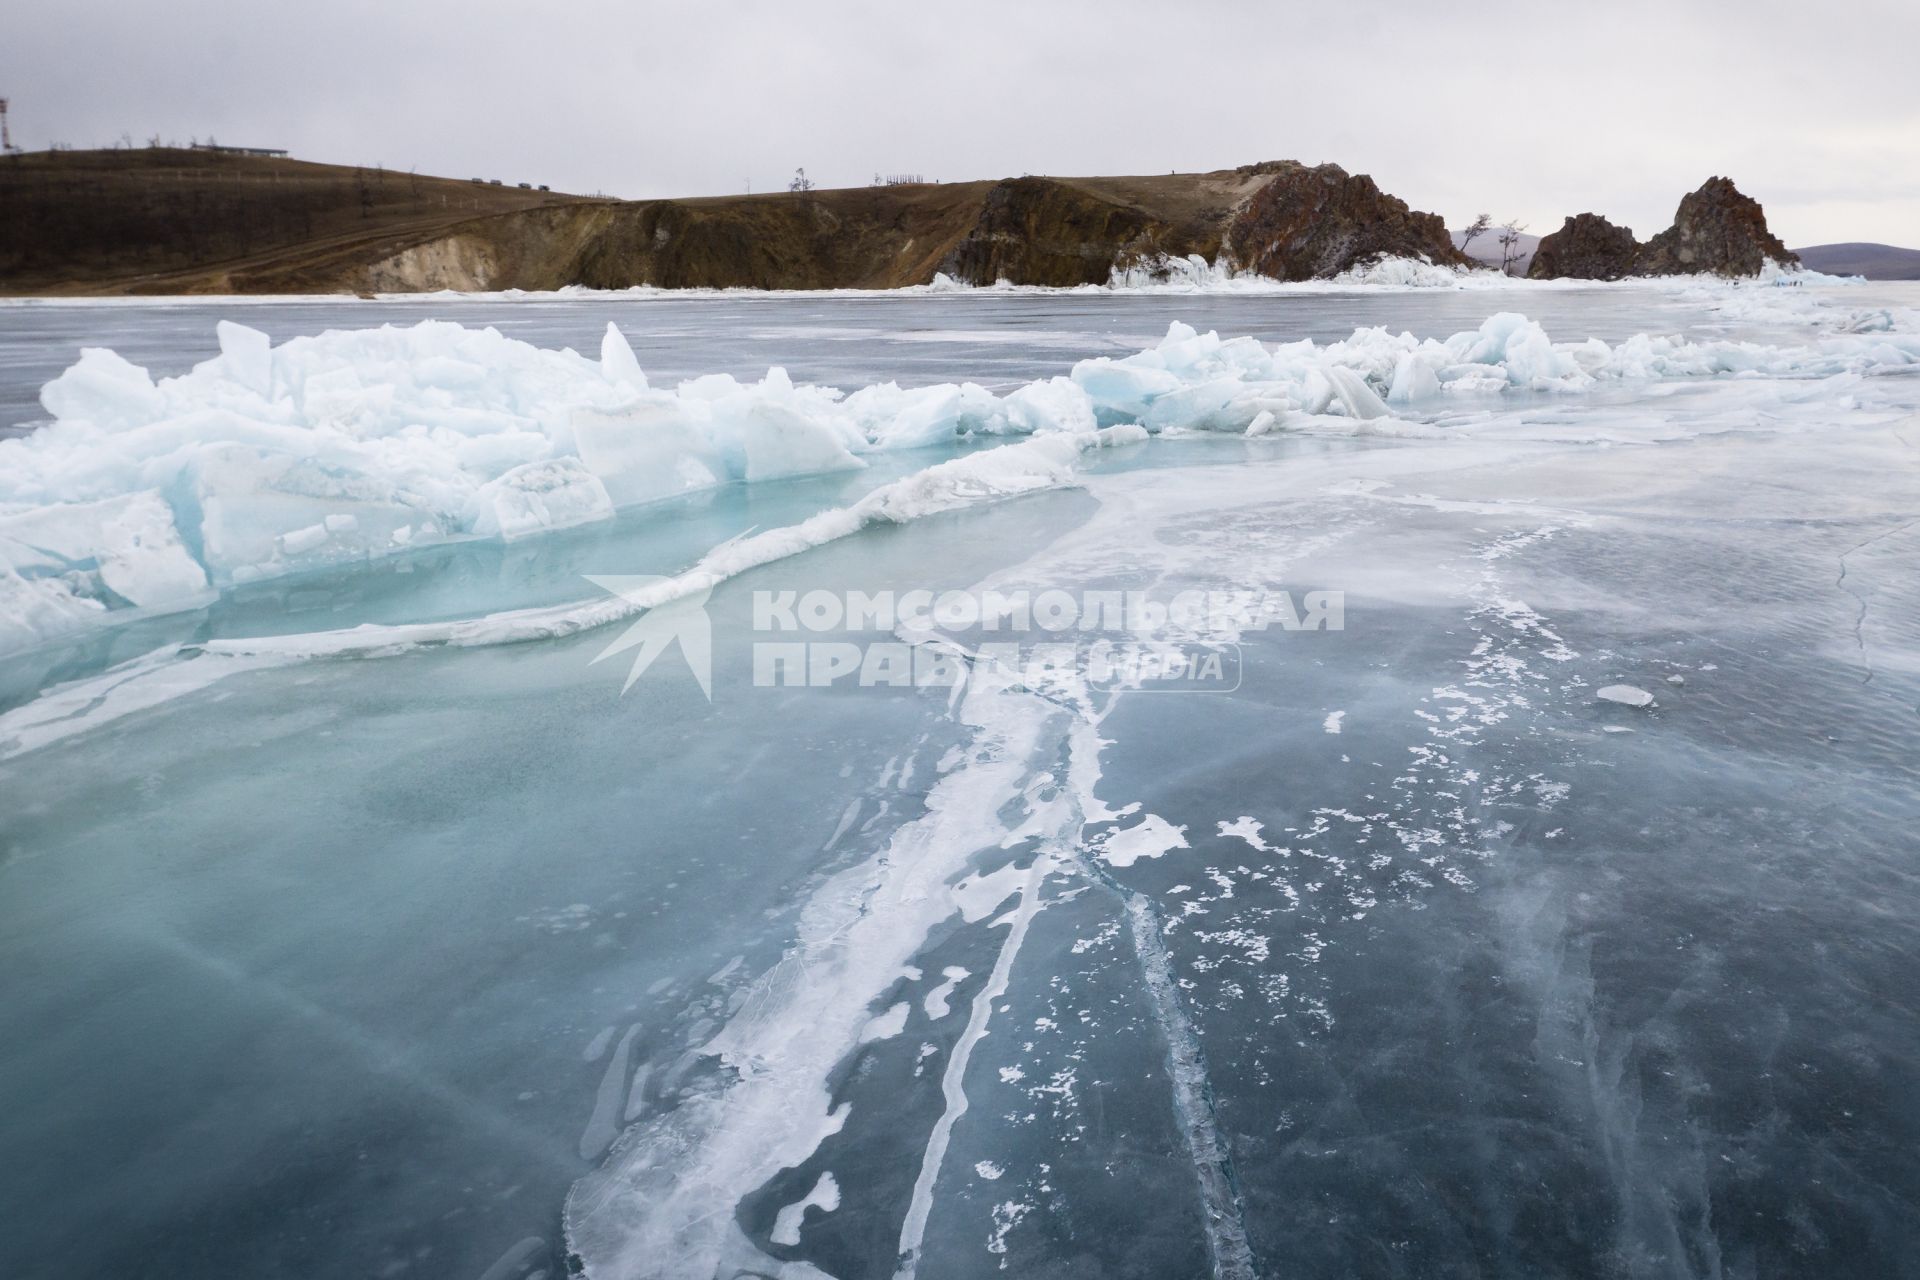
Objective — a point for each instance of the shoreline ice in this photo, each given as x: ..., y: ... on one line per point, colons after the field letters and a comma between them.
x: 79, y: 706
x: 145, y: 496
x: 1158, y: 278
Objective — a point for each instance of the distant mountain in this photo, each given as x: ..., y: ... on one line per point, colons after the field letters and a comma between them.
x: 1486, y: 249
x: 1857, y: 258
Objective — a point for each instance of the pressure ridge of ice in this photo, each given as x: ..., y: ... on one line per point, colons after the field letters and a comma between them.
x: 150, y: 495
x: 990, y: 475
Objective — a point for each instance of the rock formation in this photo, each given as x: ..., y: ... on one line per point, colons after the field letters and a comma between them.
x: 1311, y: 223
x: 1586, y: 247
x: 1718, y: 230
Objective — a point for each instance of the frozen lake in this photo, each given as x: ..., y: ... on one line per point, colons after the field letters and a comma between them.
x: 998, y: 340
x: 1390, y: 948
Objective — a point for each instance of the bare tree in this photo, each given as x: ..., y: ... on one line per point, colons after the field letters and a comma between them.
x: 1510, y: 246
x: 1481, y: 224
x: 801, y: 182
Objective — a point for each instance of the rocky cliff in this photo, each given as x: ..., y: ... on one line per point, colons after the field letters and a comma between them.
x: 1717, y: 230
x: 1310, y: 223
x: 1586, y: 247
x: 1042, y: 231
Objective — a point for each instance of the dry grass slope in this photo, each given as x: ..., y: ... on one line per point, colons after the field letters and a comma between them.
x: 166, y: 220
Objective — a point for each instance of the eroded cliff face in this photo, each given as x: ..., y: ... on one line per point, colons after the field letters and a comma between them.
x: 1043, y: 231
x: 1311, y: 223
x: 675, y: 246
x: 868, y: 238
x: 1586, y: 247
x: 1717, y: 229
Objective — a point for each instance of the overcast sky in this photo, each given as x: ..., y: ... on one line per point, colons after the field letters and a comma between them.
x: 1531, y: 111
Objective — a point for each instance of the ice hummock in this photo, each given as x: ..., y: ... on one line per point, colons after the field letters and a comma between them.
x: 65, y: 565
x: 145, y: 495
x: 1028, y: 466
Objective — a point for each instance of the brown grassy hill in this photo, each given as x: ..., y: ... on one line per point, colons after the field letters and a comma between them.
x: 168, y: 220
x: 184, y: 222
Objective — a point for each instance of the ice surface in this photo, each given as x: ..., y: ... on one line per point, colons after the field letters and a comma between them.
x: 992, y: 475
x: 894, y: 972
x: 353, y: 444
x: 644, y: 1217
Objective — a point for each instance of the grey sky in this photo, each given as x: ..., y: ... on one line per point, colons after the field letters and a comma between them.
x: 1526, y: 110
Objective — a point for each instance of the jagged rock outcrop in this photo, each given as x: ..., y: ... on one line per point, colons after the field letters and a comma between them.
x: 1309, y: 223
x: 1718, y: 230
x: 1586, y: 247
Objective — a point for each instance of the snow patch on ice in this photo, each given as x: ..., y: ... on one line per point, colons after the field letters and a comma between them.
x: 885, y: 1026
x: 1248, y: 829
x: 937, y: 1003
x: 1151, y: 837
x: 1626, y: 695
x: 825, y: 1196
